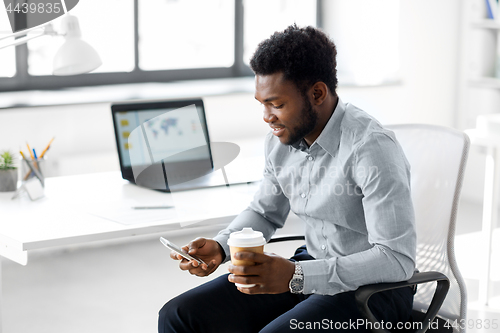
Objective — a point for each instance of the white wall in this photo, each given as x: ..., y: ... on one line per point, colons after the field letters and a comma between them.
x: 430, y: 59
x: 428, y: 64
x: 85, y: 138
x: 79, y: 130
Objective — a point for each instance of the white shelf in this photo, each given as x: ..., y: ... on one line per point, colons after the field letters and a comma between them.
x: 485, y: 82
x: 486, y: 24
x: 477, y: 81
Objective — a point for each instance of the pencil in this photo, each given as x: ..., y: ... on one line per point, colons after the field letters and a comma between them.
x: 35, y: 161
x: 47, y: 148
x: 29, y: 151
x: 29, y: 171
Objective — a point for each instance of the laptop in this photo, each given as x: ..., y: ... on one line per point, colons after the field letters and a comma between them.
x: 165, y: 145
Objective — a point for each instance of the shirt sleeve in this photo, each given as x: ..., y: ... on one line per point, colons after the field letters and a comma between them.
x: 390, y: 223
x: 267, y: 212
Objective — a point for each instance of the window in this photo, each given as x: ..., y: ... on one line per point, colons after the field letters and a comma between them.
x: 156, y: 40
x: 186, y: 34
x: 260, y: 24
x: 112, y: 36
x: 7, y: 55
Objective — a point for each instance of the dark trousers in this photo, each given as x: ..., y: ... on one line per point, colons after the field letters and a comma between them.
x: 218, y: 307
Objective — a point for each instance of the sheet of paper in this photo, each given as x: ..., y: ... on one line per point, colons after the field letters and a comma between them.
x: 123, y: 213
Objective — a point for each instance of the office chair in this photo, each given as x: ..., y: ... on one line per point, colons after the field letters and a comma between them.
x: 437, y: 156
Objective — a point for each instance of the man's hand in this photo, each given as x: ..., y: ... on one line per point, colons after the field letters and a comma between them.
x: 207, y: 250
x: 271, y: 273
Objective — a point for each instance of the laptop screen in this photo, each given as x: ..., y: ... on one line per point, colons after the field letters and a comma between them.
x: 166, y: 132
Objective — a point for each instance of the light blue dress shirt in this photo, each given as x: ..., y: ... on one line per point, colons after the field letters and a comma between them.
x: 351, y: 187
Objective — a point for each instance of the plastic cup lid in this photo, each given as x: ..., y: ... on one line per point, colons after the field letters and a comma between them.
x: 246, y: 238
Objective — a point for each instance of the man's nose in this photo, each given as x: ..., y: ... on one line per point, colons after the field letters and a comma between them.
x: 268, y: 116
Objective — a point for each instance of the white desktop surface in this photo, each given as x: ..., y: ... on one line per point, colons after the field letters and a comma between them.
x: 63, y: 216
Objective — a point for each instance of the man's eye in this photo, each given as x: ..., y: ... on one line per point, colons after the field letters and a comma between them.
x: 278, y: 106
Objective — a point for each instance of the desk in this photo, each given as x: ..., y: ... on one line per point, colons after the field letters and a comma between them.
x: 490, y: 203
x: 62, y: 218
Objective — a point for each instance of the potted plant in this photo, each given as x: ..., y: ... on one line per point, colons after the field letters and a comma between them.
x: 8, y: 172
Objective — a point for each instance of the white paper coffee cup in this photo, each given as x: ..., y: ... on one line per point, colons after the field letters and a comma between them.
x: 245, y: 240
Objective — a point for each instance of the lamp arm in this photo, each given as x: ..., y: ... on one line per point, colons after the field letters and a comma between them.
x: 21, y: 41
x: 48, y: 30
x: 20, y: 33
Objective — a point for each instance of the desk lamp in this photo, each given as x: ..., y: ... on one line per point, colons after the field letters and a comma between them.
x: 75, y: 56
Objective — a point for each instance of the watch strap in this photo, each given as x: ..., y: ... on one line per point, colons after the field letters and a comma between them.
x: 297, y: 280
x: 298, y: 269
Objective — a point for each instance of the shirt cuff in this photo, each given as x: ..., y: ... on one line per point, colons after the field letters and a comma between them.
x: 222, y: 240
x: 317, y: 277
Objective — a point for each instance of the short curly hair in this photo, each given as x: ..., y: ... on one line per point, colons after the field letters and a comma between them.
x: 304, y: 55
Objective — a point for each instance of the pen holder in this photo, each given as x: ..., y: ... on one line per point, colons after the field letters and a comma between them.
x: 27, y: 167
x: 32, y: 176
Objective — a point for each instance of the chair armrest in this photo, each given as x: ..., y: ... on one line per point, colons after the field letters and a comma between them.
x: 364, y: 293
x: 285, y: 238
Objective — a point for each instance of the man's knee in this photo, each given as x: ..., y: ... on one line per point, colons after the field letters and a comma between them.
x: 169, y: 316
x: 182, y: 314
x: 167, y: 310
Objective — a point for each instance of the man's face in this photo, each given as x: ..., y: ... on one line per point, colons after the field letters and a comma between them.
x: 289, y: 114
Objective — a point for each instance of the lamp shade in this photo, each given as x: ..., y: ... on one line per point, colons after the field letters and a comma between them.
x: 75, y: 56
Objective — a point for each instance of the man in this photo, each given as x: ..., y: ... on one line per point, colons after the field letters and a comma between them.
x: 344, y: 175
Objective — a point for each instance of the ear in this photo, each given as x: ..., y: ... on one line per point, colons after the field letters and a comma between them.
x: 319, y: 92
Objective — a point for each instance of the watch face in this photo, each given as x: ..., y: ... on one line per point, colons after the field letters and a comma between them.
x: 297, y: 285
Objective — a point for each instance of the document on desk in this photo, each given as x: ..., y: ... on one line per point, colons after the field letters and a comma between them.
x: 129, y: 213
x: 184, y: 207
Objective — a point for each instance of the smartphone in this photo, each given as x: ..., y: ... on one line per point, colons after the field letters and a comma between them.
x: 177, y: 249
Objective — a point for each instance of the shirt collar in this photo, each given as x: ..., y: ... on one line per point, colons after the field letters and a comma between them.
x: 329, y: 138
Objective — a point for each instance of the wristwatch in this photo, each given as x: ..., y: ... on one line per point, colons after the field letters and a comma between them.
x: 297, y: 282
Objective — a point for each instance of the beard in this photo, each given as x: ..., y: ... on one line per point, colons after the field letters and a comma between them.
x: 307, y: 123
